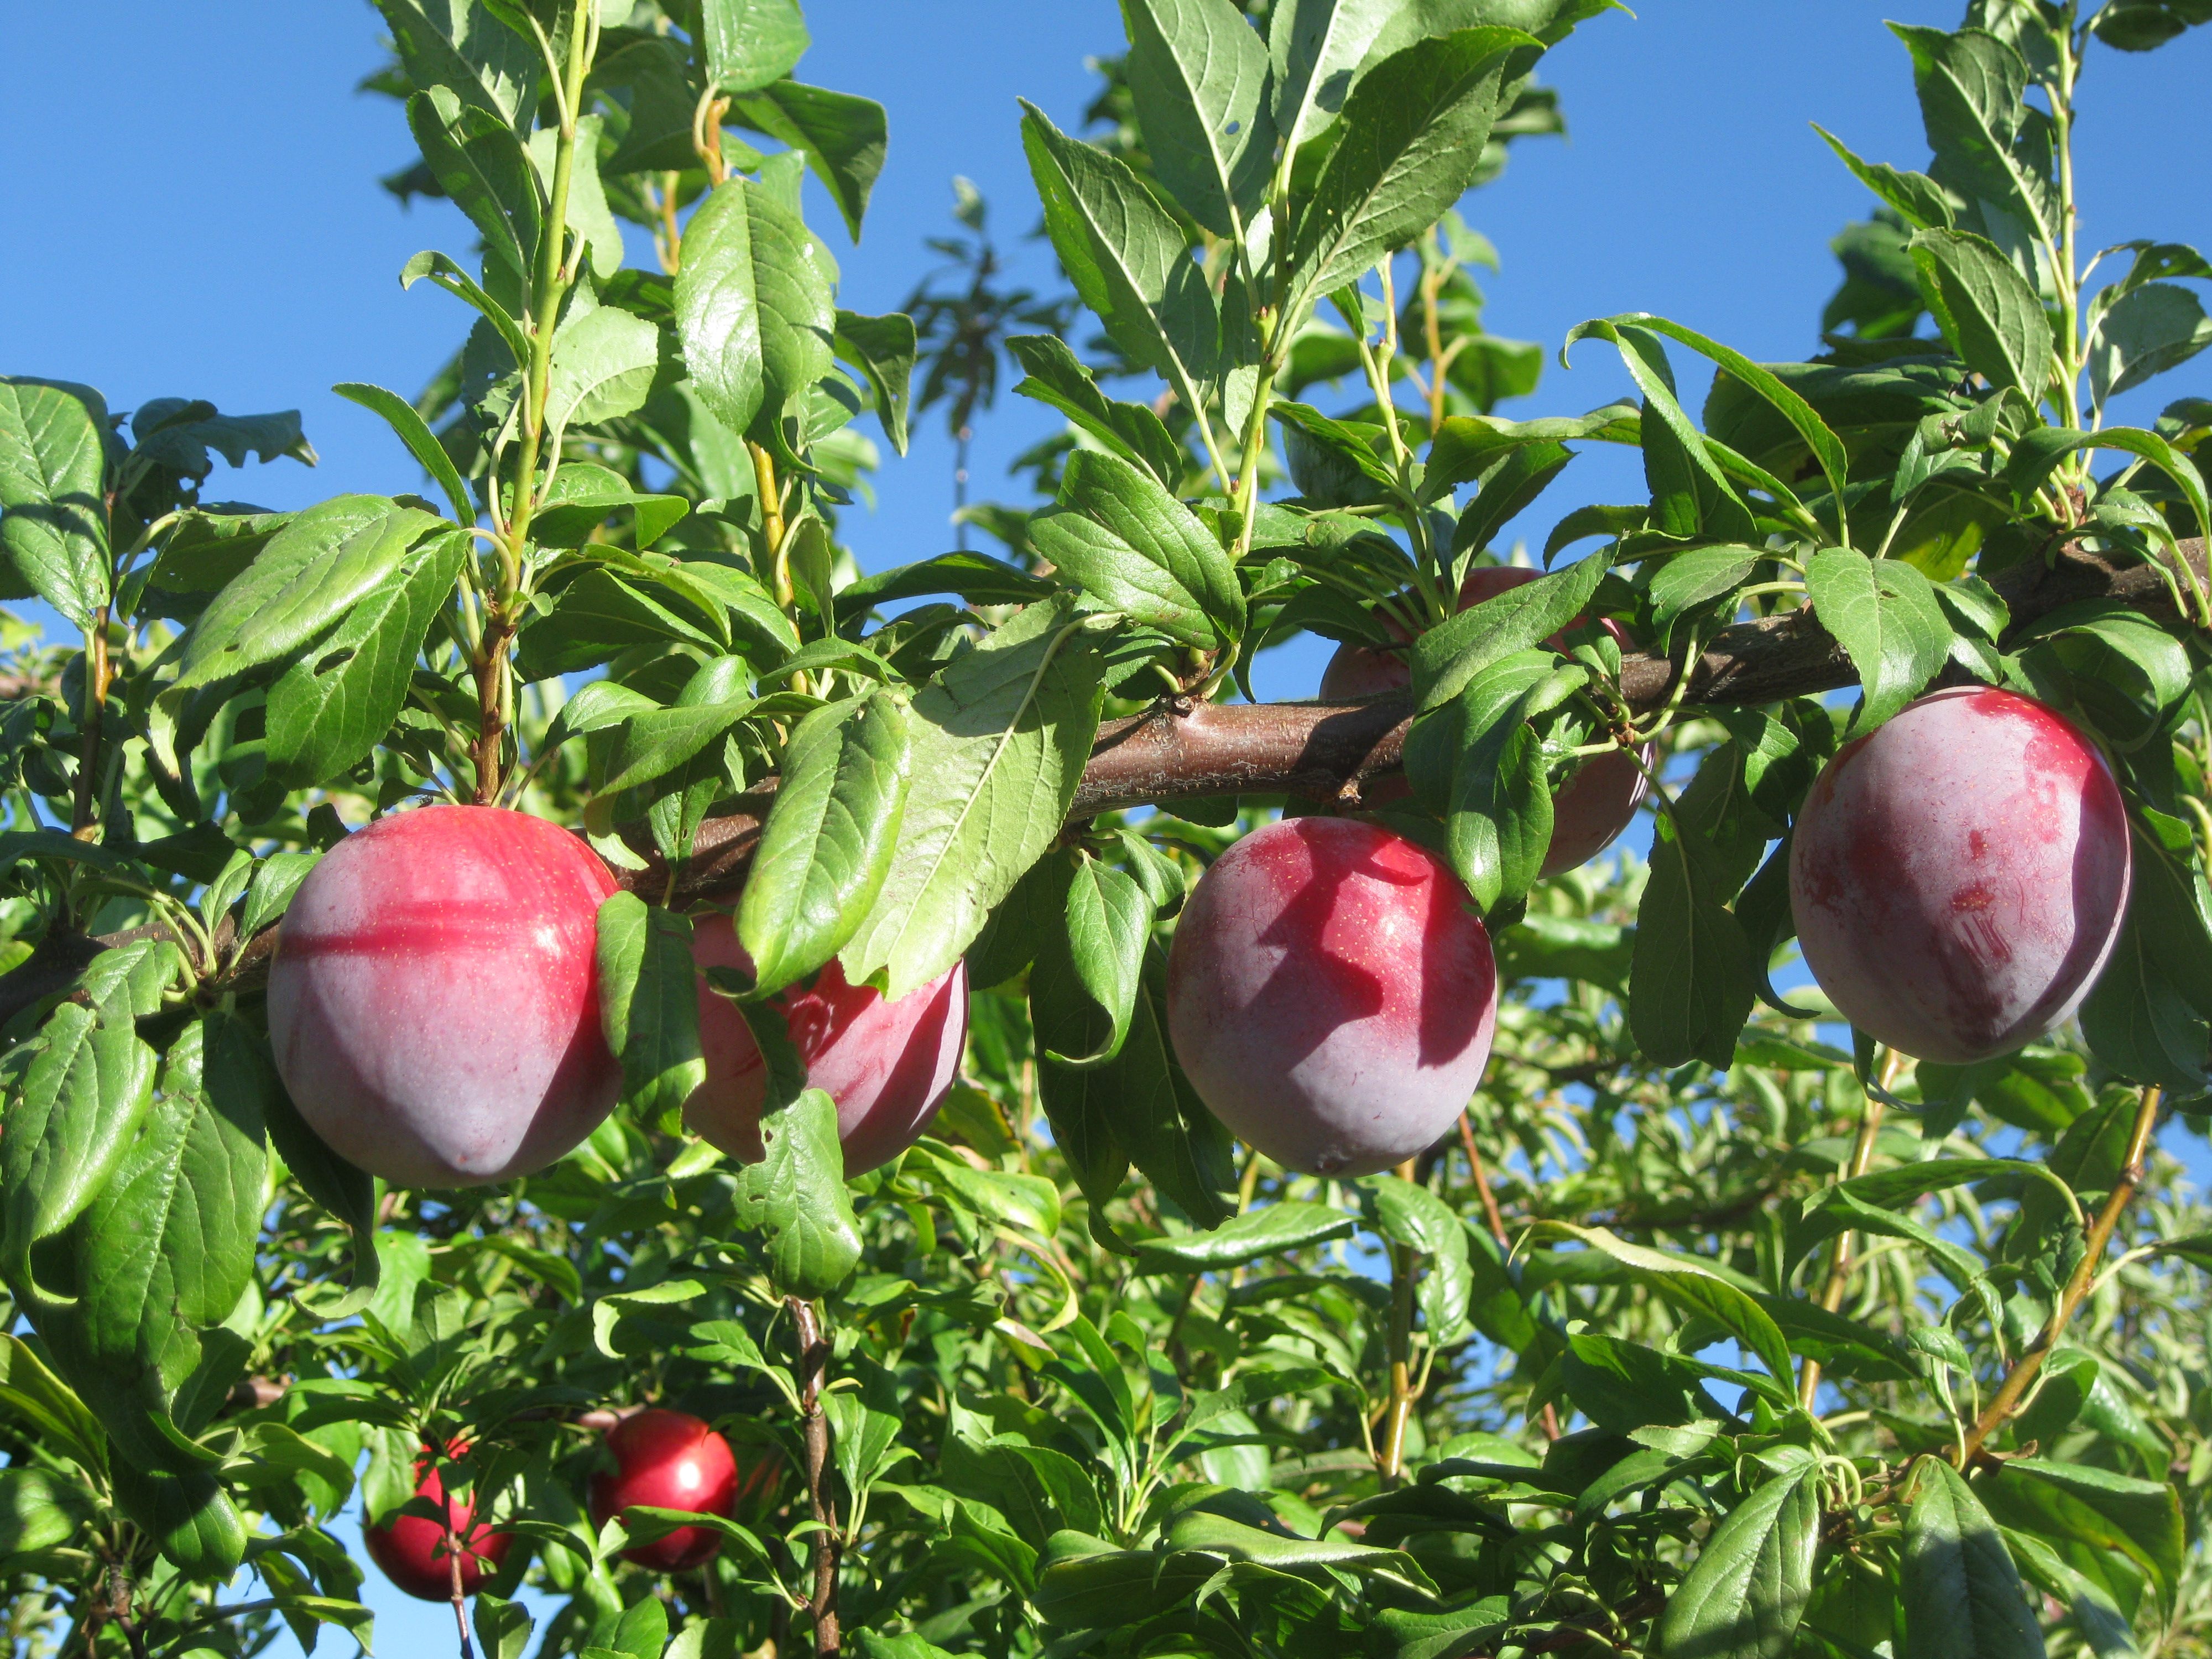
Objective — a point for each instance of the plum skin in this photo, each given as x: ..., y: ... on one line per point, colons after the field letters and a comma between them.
x: 413, y: 1551
x: 1958, y: 876
x: 1590, y: 809
x: 668, y: 1459
x: 1331, y: 996
x: 887, y: 1065
x: 434, y: 1003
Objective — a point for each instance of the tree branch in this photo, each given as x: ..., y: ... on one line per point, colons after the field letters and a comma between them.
x: 1179, y: 751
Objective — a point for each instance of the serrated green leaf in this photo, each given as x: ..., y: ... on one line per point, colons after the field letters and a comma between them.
x: 53, y: 513
x: 1746, y: 1593
x: 1962, y: 1594
x: 1198, y: 78
x: 1885, y: 615
x: 827, y: 846
x: 755, y: 308
x: 1413, y: 132
x: 796, y: 1194
x: 649, y: 1003
x: 998, y: 741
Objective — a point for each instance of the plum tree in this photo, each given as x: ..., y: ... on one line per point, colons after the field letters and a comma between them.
x: 1331, y: 995
x: 416, y: 1554
x: 887, y: 1065
x: 1595, y: 805
x: 667, y: 1460
x: 1958, y: 875
x: 434, y: 1008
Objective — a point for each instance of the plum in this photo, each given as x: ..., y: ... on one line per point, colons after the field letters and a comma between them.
x: 668, y: 1459
x: 1595, y: 805
x: 887, y: 1065
x: 1331, y: 996
x: 416, y: 1554
x: 1958, y: 875
x: 434, y: 1004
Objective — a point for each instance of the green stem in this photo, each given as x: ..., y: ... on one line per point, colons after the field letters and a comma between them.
x: 494, y: 690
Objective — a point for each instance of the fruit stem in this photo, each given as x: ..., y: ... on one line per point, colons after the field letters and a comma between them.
x: 1839, y: 1269
x: 827, y: 1544
x: 2024, y: 1371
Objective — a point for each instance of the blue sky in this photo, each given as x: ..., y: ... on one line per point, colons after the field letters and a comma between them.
x: 193, y: 209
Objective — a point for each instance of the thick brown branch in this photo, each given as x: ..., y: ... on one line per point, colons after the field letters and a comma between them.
x: 1179, y: 751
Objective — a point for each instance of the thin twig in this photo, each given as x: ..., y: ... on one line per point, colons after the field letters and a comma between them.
x: 827, y: 1544
x: 1839, y: 1269
x: 2077, y: 1287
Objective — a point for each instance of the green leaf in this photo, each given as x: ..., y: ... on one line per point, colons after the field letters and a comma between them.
x: 1198, y: 76
x: 442, y: 272
x: 467, y: 50
x: 1412, y: 144
x: 1125, y: 256
x: 1315, y: 46
x: 502, y: 1627
x: 1691, y: 580
x: 1084, y: 1583
x: 2113, y: 1514
x: 796, y: 1194
x: 53, y: 511
x: 1272, y: 1230
x: 1691, y: 980
x: 2145, y: 25
x: 603, y: 362
x: 1691, y: 1285
x: 1138, y: 1106
x: 756, y: 307
x: 1971, y: 86
x: 649, y: 1003
x: 1468, y: 447
x: 844, y: 137
x: 1828, y: 449
x: 1962, y: 1594
x: 1885, y: 615
x: 1985, y: 309
x: 167, y: 1247
x: 76, y: 1110
x: 1447, y: 658
x: 313, y: 571
x: 38, y: 1511
x: 1000, y: 739
x: 421, y: 443
x: 1414, y: 1216
x: 330, y: 709
x: 1917, y: 198
x: 1476, y: 761
x: 237, y: 1062
x: 654, y: 742
x: 1109, y: 923
x: 748, y: 43
x: 882, y: 348
x: 1130, y: 430
x: 2149, y: 330
x: 583, y: 496
x: 482, y: 166
x: 827, y: 846
x: 1744, y: 1595
x: 1202, y: 1530
x: 1140, y: 551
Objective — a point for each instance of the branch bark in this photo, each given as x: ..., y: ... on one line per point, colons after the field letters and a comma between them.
x: 1178, y: 751
x: 826, y: 1545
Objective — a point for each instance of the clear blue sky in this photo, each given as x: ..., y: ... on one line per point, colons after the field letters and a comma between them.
x: 192, y: 209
